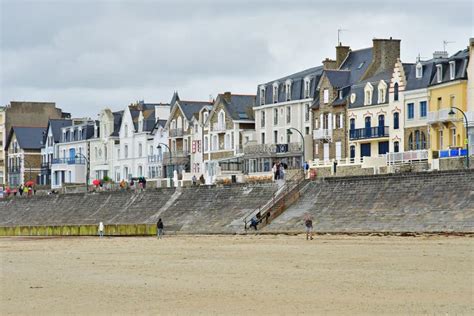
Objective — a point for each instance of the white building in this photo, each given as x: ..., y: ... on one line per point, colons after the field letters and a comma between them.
x: 72, y: 156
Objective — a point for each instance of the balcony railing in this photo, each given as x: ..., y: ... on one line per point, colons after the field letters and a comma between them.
x: 273, y: 148
x: 45, y: 165
x: 441, y: 116
x: 449, y: 153
x: 407, y: 156
x: 177, y: 132
x: 218, y: 127
x: 322, y: 133
x: 69, y: 161
x: 155, y: 158
x: 366, y: 133
x: 176, y: 157
x: 14, y: 169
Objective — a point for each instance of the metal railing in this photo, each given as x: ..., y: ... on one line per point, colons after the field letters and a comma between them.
x: 452, y: 153
x: 216, y: 127
x: 176, y: 132
x: 340, y: 162
x: 273, y: 148
x: 281, y: 199
x: 155, y: 158
x: 69, y: 161
x: 368, y: 132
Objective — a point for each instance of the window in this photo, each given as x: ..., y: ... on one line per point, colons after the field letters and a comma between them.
x: 140, y: 150
x: 453, y: 137
x: 140, y: 125
x: 288, y: 90
x: 411, y: 110
x: 395, y: 92
x: 206, y: 114
x: 262, y: 95
x: 306, y: 113
x: 440, y: 139
x: 275, y: 137
x: 140, y: 171
x: 368, y: 94
x: 263, y: 138
x: 275, y: 93
x: 221, y: 120
x: 352, y: 124
x: 410, y: 141
x: 452, y: 70
x: 438, y: 104
x: 262, y: 119
x: 307, y: 84
x: 275, y: 117
x: 439, y: 73
x: 125, y: 150
x: 417, y: 140
x: 419, y: 71
x: 381, y: 120
x: 423, y: 109
x: 382, y: 91
x: 338, y: 120
x: 326, y: 96
x: 232, y: 136
x: 396, y: 120
x: 396, y: 147
x: 125, y: 130
x: 307, y: 130
x: 206, y: 143
x: 288, y: 114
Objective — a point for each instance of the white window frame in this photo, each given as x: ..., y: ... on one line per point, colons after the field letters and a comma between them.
x: 452, y: 70
x: 326, y: 96
x: 275, y: 93
x: 439, y: 73
x: 419, y: 71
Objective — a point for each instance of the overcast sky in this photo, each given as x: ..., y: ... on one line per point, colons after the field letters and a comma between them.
x: 88, y: 55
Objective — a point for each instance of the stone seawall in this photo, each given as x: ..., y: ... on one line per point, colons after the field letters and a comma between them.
x: 420, y: 202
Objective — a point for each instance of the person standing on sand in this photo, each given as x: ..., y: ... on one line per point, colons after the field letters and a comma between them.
x: 308, y: 223
x: 159, y: 229
x: 101, y: 230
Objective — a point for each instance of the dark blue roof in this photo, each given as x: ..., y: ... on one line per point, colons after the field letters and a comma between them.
x: 461, y: 59
x: 192, y: 108
x: 240, y: 106
x: 28, y: 137
x: 338, y: 78
x: 428, y: 71
x: 56, y: 126
x: 358, y: 89
x: 357, y: 62
x: 117, y: 122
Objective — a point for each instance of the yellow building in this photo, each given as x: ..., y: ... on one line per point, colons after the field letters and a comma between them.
x: 448, y: 89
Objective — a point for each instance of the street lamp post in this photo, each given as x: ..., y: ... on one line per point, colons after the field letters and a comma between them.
x: 289, y: 132
x: 87, y: 169
x: 171, y: 158
x: 467, y: 142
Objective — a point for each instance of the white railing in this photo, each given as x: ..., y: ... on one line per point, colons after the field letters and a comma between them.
x: 322, y: 133
x: 407, y: 156
x: 216, y: 127
x: 340, y: 162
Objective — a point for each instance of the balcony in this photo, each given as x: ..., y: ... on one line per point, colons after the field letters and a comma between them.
x: 368, y: 133
x: 441, y: 116
x: 322, y: 133
x: 69, y: 161
x: 45, y: 165
x: 14, y: 169
x: 176, y: 157
x: 273, y: 149
x: 218, y: 127
x: 155, y: 158
x: 177, y: 132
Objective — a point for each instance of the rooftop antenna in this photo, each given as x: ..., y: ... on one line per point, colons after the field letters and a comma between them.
x: 445, y: 43
x: 419, y: 57
x: 339, y: 31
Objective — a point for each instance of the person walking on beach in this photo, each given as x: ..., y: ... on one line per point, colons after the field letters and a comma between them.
x: 159, y: 229
x: 101, y: 230
x: 308, y: 223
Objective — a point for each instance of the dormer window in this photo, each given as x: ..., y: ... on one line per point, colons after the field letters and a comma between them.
x: 382, y: 88
x: 452, y: 70
x: 439, y: 73
x: 262, y: 95
x: 205, y: 116
x: 368, y: 94
x: 288, y: 90
x: 275, y: 92
x: 419, y: 71
x: 307, y: 86
x: 340, y: 94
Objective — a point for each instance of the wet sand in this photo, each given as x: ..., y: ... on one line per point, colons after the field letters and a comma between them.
x: 205, y: 275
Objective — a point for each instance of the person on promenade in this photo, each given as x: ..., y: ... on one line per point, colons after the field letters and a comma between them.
x: 101, y: 230
x: 159, y: 229
x: 20, y: 189
x: 308, y: 223
x: 194, y: 179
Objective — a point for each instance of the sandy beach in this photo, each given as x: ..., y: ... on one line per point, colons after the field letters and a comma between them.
x: 237, y: 275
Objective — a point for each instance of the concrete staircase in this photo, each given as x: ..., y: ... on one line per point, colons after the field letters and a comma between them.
x: 421, y: 202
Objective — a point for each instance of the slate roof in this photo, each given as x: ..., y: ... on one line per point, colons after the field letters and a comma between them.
x: 338, y: 78
x: 461, y: 59
x: 413, y: 83
x: 357, y: 62
x: 87, y: 130
x: 358, y: 89
x: 297, y: 86
x: 27, y: 137
x: 56, y: 125
x: 148, y: 112
x: 192, y: 108
x: 240, y: 106
x: 117, y: 122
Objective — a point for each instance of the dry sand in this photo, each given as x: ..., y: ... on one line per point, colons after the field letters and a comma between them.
x: 237, y: 275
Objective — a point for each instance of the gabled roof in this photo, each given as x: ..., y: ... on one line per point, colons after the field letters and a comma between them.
x: 358, y: 89
x: 357, y: 62
x: 240, y: 106
x: 27, y: 137
x: 56, y: 125
x: 117, y: 122
x: 192, y: 108
x: 338, y: 78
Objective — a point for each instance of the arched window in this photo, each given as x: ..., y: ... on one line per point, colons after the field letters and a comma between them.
x: 396, y: 147
x: 396, y: 120
x: 221, y: 119
x: 417, y: 140
x: 381, y: 120
x: 352, y: 152
x: 395, y: 92
x: 410, y: 141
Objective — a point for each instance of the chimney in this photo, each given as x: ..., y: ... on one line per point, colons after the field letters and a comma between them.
x: 329, y: 64
x: 385, y: 53
x: 341, y: 54
x: 227, y: 96
x: 440, y: 54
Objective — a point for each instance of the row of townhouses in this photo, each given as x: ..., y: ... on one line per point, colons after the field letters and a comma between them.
x: 360, y: 106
